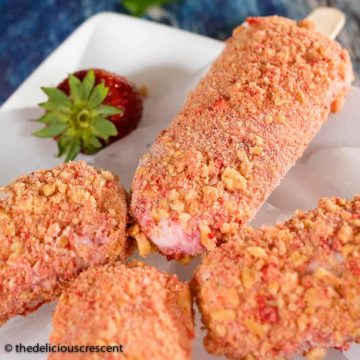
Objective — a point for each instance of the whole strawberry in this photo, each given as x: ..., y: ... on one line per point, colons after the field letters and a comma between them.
x: 89, y: 110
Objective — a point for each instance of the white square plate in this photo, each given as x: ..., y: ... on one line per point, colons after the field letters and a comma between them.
x: 169, y: 62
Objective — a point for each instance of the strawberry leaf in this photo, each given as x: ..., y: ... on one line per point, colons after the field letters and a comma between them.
x: 53, y: 117
x: 63, y: 143
x: 97, y: 96
x: 76, y: 90
x: 88, y: 84
x: 73, y: 150
x: 50, y: 131
x: 55, y: 106
x: 100, y: 135
x: 94, y: 141
x: 104, y: 127
x: 57, y: 96
x: 107, y: 110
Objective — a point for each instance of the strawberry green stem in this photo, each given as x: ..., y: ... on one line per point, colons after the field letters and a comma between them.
x: 83, y: 118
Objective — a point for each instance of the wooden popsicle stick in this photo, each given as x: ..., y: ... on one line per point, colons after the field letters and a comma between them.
x: 328, y: 20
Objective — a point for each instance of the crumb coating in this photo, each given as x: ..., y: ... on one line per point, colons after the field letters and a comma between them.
x: 146, y: 311
x: 292, y: 289
x: 238, y: 134
x: 54, y: 224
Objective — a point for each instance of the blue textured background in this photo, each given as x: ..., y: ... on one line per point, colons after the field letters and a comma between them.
x: 31, y: 29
